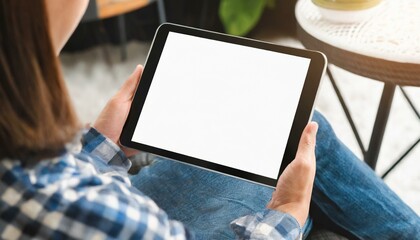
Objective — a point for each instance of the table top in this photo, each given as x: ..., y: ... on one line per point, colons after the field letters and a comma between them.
x: 389, y: 40
x: 392, y: 33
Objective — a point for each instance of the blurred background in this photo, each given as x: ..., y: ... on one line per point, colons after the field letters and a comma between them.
x: 115, y: 36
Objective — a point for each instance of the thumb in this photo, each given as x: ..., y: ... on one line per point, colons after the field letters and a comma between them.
x: 307, y: 142
x: 127, y: 90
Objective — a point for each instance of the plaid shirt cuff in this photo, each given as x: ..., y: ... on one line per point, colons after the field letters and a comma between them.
x: 104, y: 149
x: 268, y: 224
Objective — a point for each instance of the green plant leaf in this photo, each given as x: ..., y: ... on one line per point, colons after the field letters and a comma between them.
x: 239, y: 17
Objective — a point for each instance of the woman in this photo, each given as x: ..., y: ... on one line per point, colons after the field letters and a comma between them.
x: 58, y: 181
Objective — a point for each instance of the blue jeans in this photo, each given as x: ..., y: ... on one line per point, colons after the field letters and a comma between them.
x: 347, y: 195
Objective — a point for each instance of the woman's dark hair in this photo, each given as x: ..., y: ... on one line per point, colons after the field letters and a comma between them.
x: 36, y: 116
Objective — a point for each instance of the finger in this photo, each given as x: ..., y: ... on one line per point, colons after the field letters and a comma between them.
x: 128, y: 88
x: 306, y: 149
x: 129, y: 152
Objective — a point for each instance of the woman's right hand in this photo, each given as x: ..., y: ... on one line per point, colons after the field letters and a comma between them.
x: 294, y: 187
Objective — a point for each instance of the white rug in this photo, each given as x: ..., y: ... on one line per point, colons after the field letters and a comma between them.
x: 92, y: 80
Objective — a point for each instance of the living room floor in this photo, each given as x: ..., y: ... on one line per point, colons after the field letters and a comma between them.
x: 94, y: 75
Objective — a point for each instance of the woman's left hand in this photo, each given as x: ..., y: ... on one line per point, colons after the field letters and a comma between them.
x: 112, y: 118
x: 294, y: 187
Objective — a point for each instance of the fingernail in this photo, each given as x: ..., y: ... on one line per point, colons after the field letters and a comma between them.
x: 314, y: 128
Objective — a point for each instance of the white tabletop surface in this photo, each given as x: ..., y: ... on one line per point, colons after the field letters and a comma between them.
x: 392, y: 33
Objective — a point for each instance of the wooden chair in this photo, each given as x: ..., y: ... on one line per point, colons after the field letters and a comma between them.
x: 102, y: 9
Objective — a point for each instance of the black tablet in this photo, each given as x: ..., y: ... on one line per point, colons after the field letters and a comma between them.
x: 227, y: 104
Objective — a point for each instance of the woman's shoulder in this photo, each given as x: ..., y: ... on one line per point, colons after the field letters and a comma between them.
x: 44, y: 172
x: 57, y: 193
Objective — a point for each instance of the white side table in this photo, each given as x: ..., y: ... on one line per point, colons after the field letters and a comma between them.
x: 385, y: 47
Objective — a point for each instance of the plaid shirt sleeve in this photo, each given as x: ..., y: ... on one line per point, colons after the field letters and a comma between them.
x: 86, y: 194
x: 82, y: 194
x: 268, y: 224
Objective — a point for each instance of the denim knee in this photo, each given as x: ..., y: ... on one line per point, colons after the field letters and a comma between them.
x: 324, y: 128
x: 325, y: 135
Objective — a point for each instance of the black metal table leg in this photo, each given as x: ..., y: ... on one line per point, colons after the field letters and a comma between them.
x: 123, y: 36
x: 161, y: 11
x: 371, y: 156
x: 417, y: 113
x: 204, y: 9
x: 346, y: 111
x: 410, y: 102
x: 401, y: 158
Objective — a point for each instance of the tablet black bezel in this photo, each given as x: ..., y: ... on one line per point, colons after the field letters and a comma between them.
x: 302, y: 116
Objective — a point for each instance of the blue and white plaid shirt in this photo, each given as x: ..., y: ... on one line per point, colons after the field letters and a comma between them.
x: 85, y: 194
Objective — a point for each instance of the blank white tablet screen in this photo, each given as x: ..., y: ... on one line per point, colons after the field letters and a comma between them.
x: 224, y: 103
